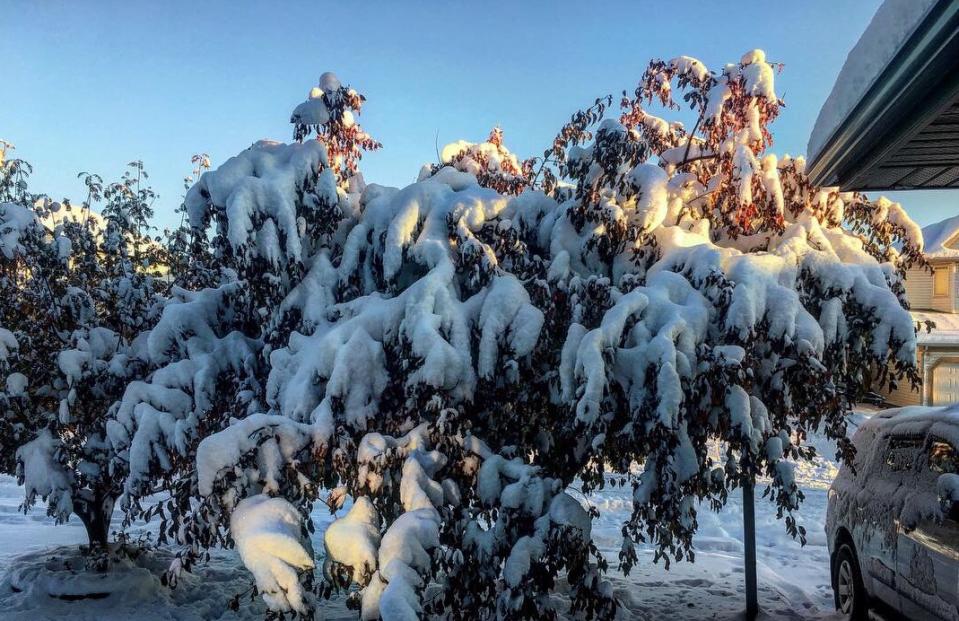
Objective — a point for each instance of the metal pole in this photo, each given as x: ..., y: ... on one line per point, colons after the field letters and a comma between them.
x: 749, y: 540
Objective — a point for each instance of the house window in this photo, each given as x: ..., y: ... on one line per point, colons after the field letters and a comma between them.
x: 940, y: 286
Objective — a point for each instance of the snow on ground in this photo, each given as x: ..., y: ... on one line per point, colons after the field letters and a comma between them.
x: 794, y: 580
x: 29, y: 542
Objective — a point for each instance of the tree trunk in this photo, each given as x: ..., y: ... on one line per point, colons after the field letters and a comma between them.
x: 95, y: 516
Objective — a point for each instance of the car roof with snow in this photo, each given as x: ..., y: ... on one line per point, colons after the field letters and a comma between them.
x: 910, y: 421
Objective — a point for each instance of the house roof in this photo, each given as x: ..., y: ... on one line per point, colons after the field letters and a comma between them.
x: 892, y: 118
x: 941, y: 240
x: 946, y: 331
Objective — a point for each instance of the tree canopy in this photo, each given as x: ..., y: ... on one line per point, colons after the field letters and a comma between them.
x: 646, y: 305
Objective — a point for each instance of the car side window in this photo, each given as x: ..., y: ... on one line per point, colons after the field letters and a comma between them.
x: 943, y: 458
x: 901, y: 453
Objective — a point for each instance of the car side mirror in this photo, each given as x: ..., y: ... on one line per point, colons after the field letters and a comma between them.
x: 947, y: 488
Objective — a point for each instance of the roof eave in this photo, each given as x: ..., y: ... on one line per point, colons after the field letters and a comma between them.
x: 924, y: 70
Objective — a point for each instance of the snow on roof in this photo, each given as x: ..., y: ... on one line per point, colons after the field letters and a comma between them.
x: 946, y: 331
x: 937, y: 238
x: 892, y: 24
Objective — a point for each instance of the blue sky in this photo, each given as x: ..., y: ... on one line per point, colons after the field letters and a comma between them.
x: 92, y: 86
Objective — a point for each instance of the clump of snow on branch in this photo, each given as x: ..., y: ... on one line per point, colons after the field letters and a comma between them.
x: 157, y: 420
x: 43, y: 476
x: 269, y: 538
x: 493, y: 165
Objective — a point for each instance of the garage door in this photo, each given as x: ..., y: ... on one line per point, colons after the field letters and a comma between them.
x: 945, y: 384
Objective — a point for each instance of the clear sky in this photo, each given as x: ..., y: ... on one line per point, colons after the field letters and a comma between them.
x: 91, y: 86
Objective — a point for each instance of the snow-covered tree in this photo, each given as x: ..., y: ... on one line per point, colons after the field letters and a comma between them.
x: 188, y: 255
x: 331, y: 110
x: 72, y: 305
x: 13, y: 174
x: 442, y: 364
x: 208, y: 350
x: 451, y: 356
x: 133, y: 260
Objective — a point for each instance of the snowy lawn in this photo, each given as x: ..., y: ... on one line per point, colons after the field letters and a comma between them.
x: 793, y: 581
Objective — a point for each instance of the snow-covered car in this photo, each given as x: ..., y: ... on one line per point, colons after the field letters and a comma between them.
x: 892, y: 519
